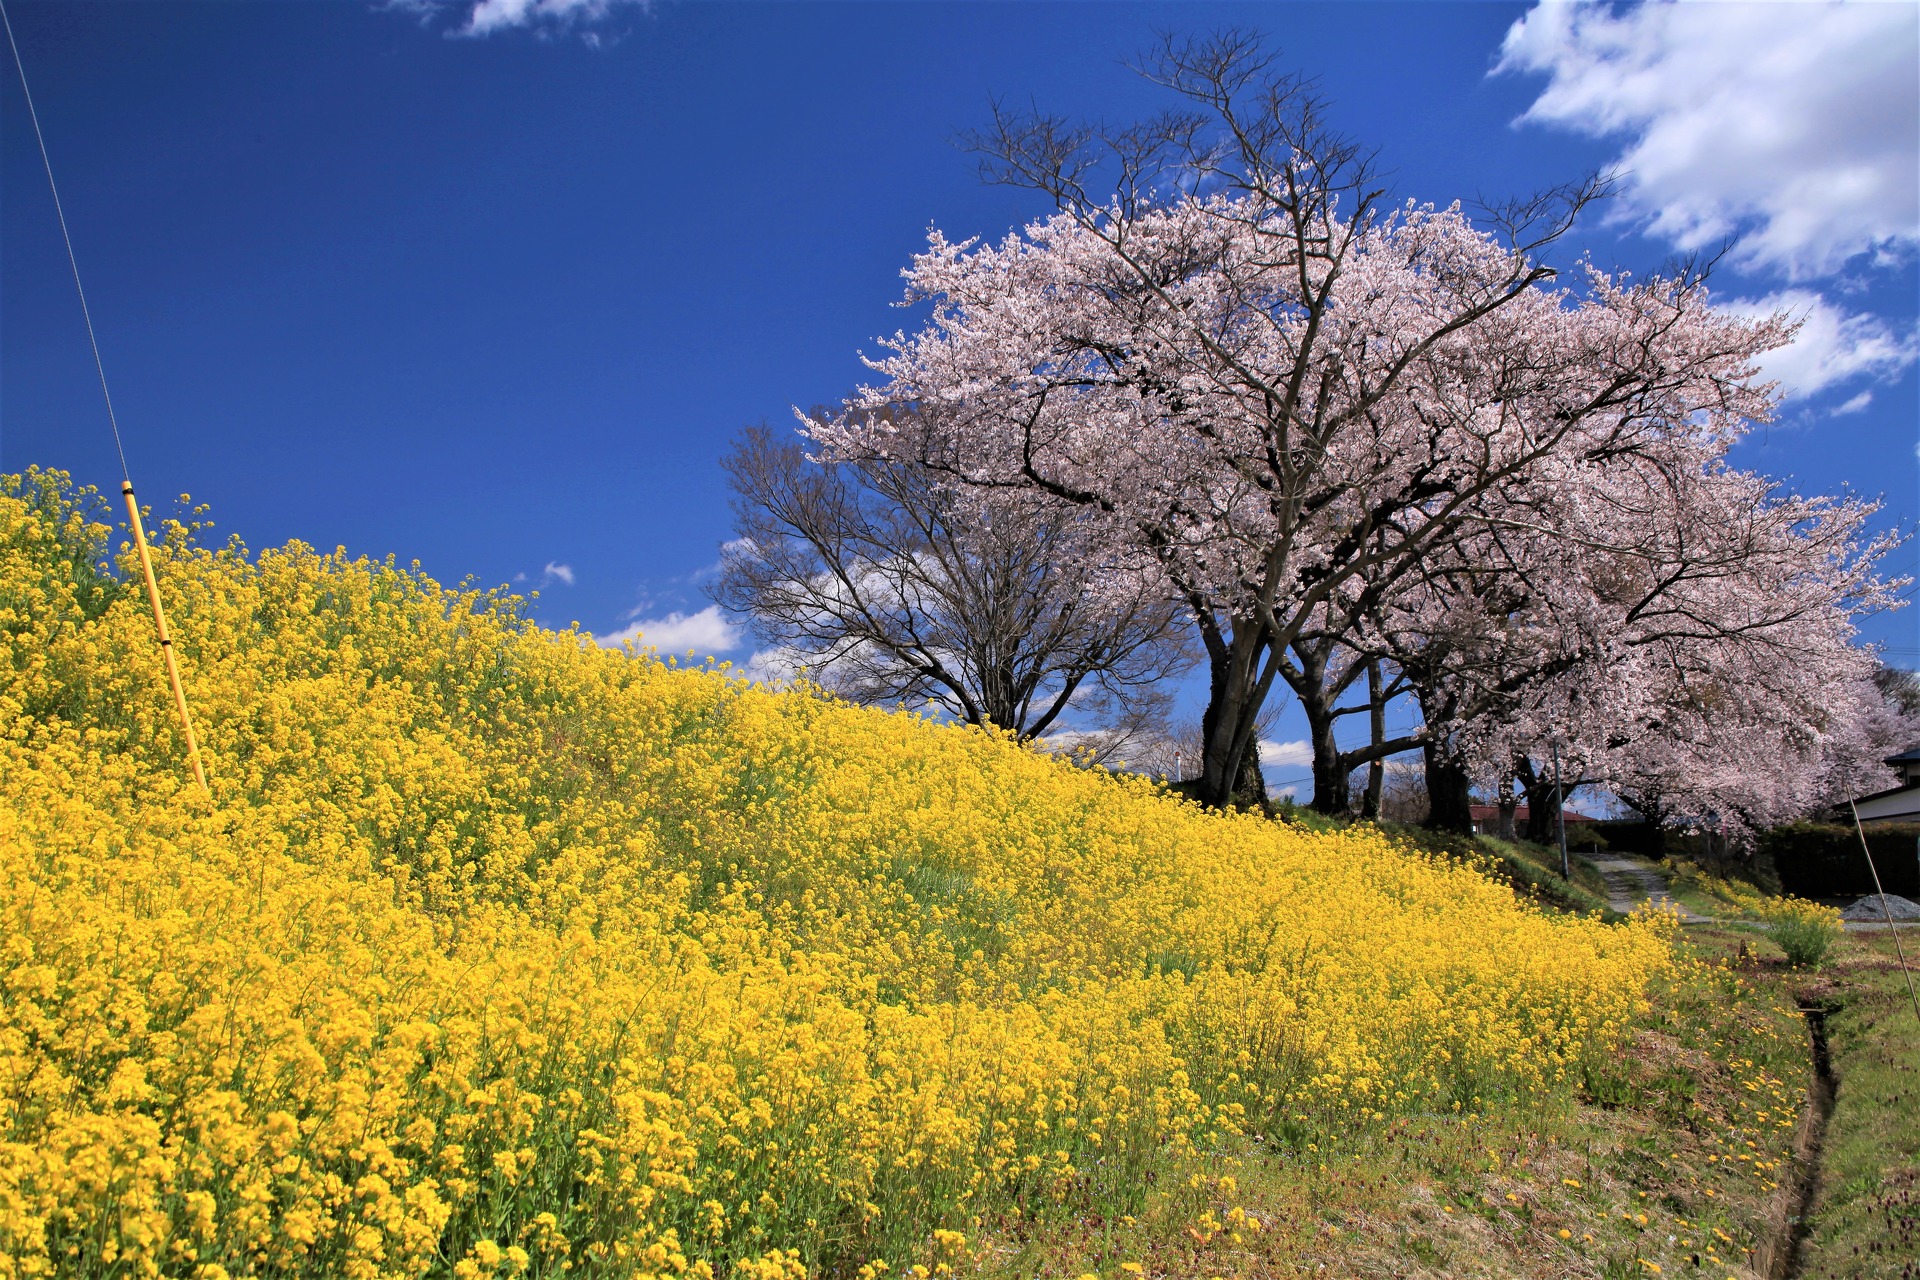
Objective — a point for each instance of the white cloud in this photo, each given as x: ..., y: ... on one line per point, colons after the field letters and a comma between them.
x: 777, y: 666
x: 558, y: 573
x: 1067, y: 741
x: 1856, y: 404
x: 707, y: 632
x: 1796, y: 126
x: 1275, y: 754
x: 488, y: 16
x: 483, y: 17
x: 1834, y: 346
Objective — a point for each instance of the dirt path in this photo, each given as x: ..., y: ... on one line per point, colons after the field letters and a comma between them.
x: 1631, y: 882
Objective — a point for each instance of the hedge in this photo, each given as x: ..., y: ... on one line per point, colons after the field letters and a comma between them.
x: 1823, y: 860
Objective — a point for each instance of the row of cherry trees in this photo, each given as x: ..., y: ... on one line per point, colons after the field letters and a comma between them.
x: 1379, y: 451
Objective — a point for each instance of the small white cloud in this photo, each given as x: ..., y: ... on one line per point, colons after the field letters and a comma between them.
x: 1273, y: 755
x: 421, y: 9
x: 1856, y: 404
x: 1066, y: 741
x: 495, y: 15
x: 778, y: 666
x: 484, y: 17
x: 1834, y: 346
x: 707, y: 633
x: 558, y: 573
x: 1794, y: 126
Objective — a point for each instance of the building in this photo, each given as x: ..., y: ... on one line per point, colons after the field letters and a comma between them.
x: 1897, y: 804
x: 1486, y: 819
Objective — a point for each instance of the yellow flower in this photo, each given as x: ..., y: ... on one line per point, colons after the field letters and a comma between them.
x: 477, y: 911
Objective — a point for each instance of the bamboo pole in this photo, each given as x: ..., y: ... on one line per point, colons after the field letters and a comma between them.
x: 166, y: 641
x: 1881, y: 893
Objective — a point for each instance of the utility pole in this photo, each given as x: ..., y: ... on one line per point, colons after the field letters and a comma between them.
x: 1560, y: 814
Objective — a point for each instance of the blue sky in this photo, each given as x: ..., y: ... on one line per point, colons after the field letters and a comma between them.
x: 494, y: 287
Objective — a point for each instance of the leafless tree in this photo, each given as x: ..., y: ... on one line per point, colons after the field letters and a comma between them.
x: 886, y: 586
x: 1171, y: 755
x: 1404, y: 793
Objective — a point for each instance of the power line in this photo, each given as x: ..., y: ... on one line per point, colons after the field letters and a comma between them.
x: 126, y: 477
x: 86, y: 313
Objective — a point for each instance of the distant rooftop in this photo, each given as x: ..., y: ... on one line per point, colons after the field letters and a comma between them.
x: 1491, y: 812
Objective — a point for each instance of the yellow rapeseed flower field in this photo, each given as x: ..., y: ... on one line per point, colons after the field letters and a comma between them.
x: 494, y: 953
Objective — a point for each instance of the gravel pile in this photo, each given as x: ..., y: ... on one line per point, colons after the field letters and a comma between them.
x: 1868, y: 908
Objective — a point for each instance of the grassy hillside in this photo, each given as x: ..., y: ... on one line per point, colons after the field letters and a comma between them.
x: 493, y: 953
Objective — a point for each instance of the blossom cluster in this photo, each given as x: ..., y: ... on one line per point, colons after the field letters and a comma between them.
x: 493, y: 953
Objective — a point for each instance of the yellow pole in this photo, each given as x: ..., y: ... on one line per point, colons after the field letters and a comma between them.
x: 166, y: 641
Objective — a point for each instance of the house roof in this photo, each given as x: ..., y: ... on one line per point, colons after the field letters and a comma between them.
x: 1882, y: 795
x: 1491, y: 812
x: 1910, y: 756
x: 1899, y: 804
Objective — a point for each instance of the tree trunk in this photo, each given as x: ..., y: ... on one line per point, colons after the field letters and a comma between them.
x: 1377, y: 725
x: 1332, y: 788
x: 1251, y: 791
x: 1543, y: 806
x: 1503, y: 824
x: 1447, y: 792
x: 1228, y: 726
x: 1332, y: 791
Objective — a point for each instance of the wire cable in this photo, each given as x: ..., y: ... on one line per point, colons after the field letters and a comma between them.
x: 1885, y: 907
x: 134, y: 524
x: 60, y: 212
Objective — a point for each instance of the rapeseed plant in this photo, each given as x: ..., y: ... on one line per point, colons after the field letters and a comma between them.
x: 1805, y: 930
x: 493, y: 953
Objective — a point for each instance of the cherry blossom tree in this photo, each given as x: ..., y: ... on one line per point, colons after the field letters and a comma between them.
x: 1682, y: 632
x: 1250, y: 369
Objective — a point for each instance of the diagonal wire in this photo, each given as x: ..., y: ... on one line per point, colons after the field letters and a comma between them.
x: 1886, y: 907
x: 126, y: 486
x: 73, y: 262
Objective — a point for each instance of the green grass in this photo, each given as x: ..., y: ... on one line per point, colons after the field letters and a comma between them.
x: 1705, y: 894
x: 1539, y: 866
x: 1865, y: 1219
x: 1725, y: 891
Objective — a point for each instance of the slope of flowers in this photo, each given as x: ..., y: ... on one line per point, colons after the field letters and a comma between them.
x: 494, y: 953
